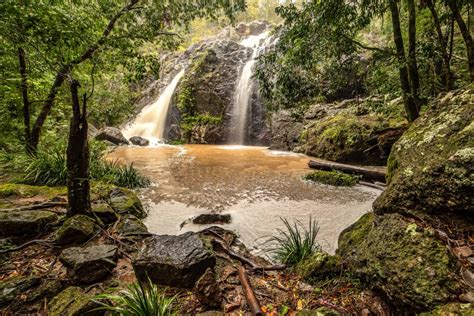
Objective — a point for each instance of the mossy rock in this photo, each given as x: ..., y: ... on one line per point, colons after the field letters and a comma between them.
x: 129, y: 227
x: 25, y: 223
x: 76, y: 230
x: 452, y: 309
x: 403, y: 261
x: 24, y: 190
x: 11, y: 288
x: 431, y: 167
x: 73, y: 301
x: 334, y: 178
x: 124, y: 201
x: 104, y: 212
x: 319, y: 266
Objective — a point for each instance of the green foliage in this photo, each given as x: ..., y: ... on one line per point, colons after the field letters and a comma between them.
x: 294, y: 244
x: 335, y: 178
x: 137, y: 300
x: 49, y: 167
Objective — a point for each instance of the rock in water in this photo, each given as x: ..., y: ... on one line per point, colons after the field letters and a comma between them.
x: 177, y: 261
x: 113, y: 135
x: 124, y: 201
x: 431, y: 167
x: 139, y: 141
x: 89, y: 264
x: 212, y: 218
x: 75, y: 230
x: 24, y: 223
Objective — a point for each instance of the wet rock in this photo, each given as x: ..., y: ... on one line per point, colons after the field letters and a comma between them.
x: 113, y: 135
x: 139, y: 141
x: 73, y: 301
x: 124, y: 201
x: 319, y: 266
x: 130, y: 226
x: 286, y: 130
x: 89, y: 264
x: 207, y: 290
x: 14, y: 286
x: 104, y: 212
x: 251, y: 28
x: 431, y: 167
x: 75, y: 230
x: 177, y: 261
x: 212, y: 218
x: 25, y: 223
x: 402, y: 260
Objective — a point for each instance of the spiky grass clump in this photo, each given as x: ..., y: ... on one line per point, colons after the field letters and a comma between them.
x: 335, y: 178
x: 295, y: 243
x: 137, y: 300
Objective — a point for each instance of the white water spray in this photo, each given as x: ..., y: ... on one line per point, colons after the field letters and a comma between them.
x: 151, y: 121
x: 244, y: 88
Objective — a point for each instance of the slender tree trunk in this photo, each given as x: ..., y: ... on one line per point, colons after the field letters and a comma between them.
x: 410, y: 105
x: 24, y: 94
x: 78, y: 186
x: 446, y: 73
x: 466, y: 34
x: 412, y: 63
x: 66, y: 69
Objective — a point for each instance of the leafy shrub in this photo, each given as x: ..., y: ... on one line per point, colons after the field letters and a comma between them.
x: 294, y: 244
x: 335, y: 178
x: 49, y: 167
x: 137, y: 300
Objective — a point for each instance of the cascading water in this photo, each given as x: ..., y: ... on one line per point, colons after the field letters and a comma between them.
x: 151, y: 121
x: 244, y: 88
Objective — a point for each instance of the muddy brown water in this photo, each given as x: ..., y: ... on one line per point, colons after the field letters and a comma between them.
x: 255, y: 185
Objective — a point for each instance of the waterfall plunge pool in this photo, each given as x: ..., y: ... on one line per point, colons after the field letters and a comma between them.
x: 255, y: 185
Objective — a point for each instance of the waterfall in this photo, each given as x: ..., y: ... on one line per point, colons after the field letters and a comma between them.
x: 244, y: 89
x: 151, y: 121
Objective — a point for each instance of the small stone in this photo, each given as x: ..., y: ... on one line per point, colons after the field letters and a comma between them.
x: 76, y: 230
x: 14, y: 286
x: 105, y: 212
x: 212, y: 218
x: 177, y: 261
x: 124, y: 201
x: 467, y: 297
x: 25, y: 223
x: 207, y: 290
x: 89, y: 264
x: 139, y: 141
x: 130, y: 226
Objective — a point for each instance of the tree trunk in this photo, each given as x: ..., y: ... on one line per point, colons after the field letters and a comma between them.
x: 412, y: 64
x: 410, y: 105
x: 24, y: 94
x: 466, y: 34
x: 445, y: 74
x: 78, y: 188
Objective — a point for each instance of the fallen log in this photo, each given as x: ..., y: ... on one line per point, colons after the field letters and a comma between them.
x: 365, y: 173
x: 249, y: 293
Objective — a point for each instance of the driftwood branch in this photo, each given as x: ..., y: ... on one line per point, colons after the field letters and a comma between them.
x: 249, y: 293
x: 367, y: 174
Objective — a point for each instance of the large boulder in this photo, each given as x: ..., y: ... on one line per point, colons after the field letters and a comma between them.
x: 73, y: 301
x: 89, y: 264
x: 76, y: 230
x: 431, y: 167
x: 286, y: 130
x: 177, y: 261
x: 25, y: 223
x: 402, y: 260
x: 113, y: 135
x: 124, y: 201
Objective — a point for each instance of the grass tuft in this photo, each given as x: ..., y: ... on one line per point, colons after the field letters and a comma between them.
x: 137, y: 300
x: 295, y: 243
x: 335, y: 178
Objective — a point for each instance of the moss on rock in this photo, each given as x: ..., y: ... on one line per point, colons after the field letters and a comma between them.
x: 452, y: 309
x: 124, y: 201
x: 431, y: 167
x: 400, y: 259
x: 73, y: 301
x: 75, y: 230
x: 319, y: 266
x: 25, y: 223
x: 332, y: 178
x: 25, y: 190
